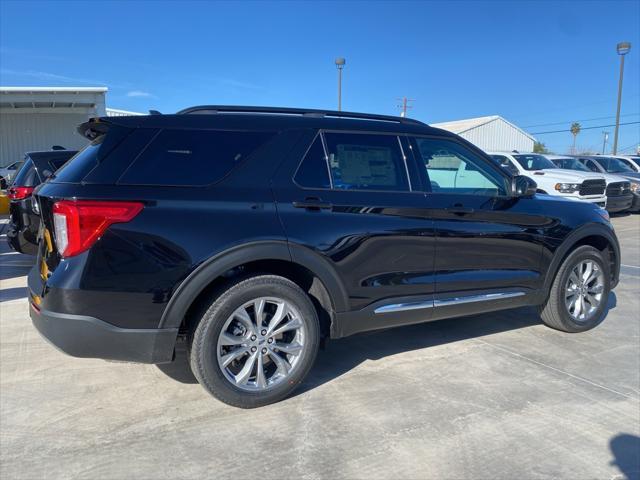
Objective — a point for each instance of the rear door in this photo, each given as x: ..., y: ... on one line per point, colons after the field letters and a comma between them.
x: 347, y: 198
x: 488, y: 242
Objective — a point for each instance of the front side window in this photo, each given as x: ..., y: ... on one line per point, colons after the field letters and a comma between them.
x: 452, y: 168
x: 366, y: 162
x: 534, y: 162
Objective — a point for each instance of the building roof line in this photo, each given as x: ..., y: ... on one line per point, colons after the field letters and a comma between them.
x: 52, y: 89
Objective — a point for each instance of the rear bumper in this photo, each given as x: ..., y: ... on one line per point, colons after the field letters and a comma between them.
x: 89, y: 337
x: 619, y: 203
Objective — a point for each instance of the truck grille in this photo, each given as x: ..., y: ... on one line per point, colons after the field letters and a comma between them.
x: 618, y: 188
x: 593, y: 187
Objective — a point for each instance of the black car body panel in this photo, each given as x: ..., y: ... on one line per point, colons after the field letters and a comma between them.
x: 444, y: 253
x: 24, y: 223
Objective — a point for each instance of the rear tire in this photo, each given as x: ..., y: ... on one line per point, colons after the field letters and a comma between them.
x: 580, y: 291
x: 256, y: 342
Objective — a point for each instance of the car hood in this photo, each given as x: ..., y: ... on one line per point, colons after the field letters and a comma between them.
x: 633, y: 176
x: 564, y: 175
x: 611, y: 178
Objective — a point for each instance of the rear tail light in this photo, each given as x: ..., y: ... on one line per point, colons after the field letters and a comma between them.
x: 79, y: 224
x: 19, y: 193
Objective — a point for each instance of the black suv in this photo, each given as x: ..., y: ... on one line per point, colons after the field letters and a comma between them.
x: 24, y: 224
x: 285, y: 226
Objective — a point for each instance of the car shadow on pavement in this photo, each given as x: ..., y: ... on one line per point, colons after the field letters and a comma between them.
x: 626, y: 451
x: 342, y: 355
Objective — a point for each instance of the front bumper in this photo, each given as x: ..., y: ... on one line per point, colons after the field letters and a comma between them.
x: 619, y: 203
x: 89, y: 337
x: 635, y: 206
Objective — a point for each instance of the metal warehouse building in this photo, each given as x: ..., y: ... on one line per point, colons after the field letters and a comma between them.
x: 36, y: 118
x: 492, y: 133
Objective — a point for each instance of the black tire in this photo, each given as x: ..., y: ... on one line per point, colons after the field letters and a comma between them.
x: 203, y: 354
x: 555, y: 313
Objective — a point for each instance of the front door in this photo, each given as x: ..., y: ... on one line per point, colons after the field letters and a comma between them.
x: 488, y: 244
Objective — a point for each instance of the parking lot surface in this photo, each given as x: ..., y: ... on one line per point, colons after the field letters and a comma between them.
x: 490, y: 396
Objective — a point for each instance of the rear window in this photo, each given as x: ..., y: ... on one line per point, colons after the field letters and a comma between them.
x: 192, y: 157
x: 27, y: 176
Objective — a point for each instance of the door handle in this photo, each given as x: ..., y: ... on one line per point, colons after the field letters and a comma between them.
x: 312, y: 203
x: 459, y: 210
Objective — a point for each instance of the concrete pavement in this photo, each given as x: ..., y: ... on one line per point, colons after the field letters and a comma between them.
x: 495, y: 396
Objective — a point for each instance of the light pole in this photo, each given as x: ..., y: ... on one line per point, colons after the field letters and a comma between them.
x: 605, y: 137
x: 622, y: 48
x: 340, y: 65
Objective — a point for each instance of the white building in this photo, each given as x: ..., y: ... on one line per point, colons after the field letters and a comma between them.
x: 36, y: 118
x: 491, y: 133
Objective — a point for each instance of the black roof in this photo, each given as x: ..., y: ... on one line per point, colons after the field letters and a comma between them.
x: 266, y: 118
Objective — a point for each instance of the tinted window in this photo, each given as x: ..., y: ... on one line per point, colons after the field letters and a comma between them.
x: 570, y: 164
x: 591, y: 165
x: 366, y: 162
x: 614, y: 165
x: 27, y: 176
x: 534, y: 162
x: 505, y: 163
x: 452, y: 168
x: 192, y: 157
x: 313, y: 172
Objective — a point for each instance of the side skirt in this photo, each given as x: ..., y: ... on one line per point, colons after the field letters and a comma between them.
x: 394, y: 312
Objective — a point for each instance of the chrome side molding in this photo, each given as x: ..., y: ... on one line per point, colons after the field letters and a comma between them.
x: 402, y: 307
x: 445, y: 302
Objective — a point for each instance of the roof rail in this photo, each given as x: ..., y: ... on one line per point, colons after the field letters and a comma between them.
x: 213, y: 109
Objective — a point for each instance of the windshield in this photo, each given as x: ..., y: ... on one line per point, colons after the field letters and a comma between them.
x: 534, y: 162
x: 570, y: 164
x: 613, y: 165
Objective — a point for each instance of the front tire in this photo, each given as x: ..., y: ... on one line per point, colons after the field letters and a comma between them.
x: 579, y: 294
x: 256, y: 343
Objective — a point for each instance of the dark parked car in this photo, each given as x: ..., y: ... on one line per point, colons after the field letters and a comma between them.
x: 22, y: 232
x: 616, y: 166
x: 285, y: 226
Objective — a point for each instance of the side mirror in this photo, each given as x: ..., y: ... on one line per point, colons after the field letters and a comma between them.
x: 523, y: 186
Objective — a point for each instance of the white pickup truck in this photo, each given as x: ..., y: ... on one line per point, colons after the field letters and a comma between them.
x: 552, y: 180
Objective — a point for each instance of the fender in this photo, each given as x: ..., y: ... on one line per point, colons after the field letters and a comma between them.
x: 221, y: 262
x: 589, y: 230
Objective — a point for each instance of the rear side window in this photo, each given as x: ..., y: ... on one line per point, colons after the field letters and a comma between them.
x: 313, y: 172
x: 366, y: 162
x: 192, y: 157
x: 27, y: 176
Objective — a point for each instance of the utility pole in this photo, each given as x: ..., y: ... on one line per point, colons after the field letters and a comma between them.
x: 405, y: 105
x: 622, y: 49
x: 605, y: 136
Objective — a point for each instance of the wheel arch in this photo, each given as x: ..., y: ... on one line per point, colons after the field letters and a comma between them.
x: 289, y: 260
x: 596, y: 235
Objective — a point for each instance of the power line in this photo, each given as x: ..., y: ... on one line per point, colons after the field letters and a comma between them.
x: 580, y: 120
x: 584, y: 128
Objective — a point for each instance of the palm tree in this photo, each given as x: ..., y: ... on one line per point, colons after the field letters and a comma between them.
x: 575, y: 130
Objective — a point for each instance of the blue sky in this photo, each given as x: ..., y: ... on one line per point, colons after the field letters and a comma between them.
x: 535, y: 63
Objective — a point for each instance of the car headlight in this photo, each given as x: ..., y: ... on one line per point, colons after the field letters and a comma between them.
x: 635, y: 187
x: 567, y: 187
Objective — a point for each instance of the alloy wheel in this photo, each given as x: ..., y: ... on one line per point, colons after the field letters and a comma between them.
x: 261, y: 343
x: 584, y: 290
